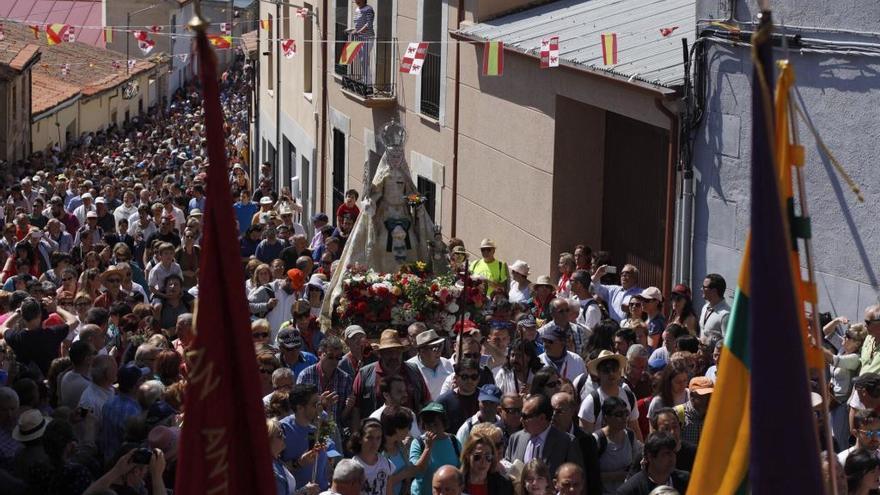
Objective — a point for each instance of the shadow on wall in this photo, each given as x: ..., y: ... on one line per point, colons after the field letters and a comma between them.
x: 840, y: 195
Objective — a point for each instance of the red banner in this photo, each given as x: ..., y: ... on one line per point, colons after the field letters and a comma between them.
x: 224, y: 445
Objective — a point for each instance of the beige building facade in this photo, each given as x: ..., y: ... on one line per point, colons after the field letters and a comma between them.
x: 16, y: 63
x: 537, y: 159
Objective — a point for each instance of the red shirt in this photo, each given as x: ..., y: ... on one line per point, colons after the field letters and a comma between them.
x: 477, y: 489
x: 344, y: 209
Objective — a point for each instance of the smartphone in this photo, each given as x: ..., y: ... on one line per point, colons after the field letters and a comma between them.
x: 142, y: 456
x: 610, y: 269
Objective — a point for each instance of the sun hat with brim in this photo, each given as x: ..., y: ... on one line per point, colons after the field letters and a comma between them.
x: 652, y: 293
x: 265, y: 200
x: 428, y: 338
x: 110, y: 272
x: 487, y: 244
x: 31, y: 426
x: 544, y: 280
x: 432, y: 408
x: 459, y: 250
x: 605, y: 355
x: 390, y: 340
x: 521, y: 267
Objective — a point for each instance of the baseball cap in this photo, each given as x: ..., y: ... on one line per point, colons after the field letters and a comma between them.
x: 433, y: 407
x: 555, y: 333
x: 320, y: 217
x: 297, y: 278
x: 100, y: 200
x: 528, y: 321
x: 290, y: 338
x: 490, y: 393
x: 701, y: 385
x: 353, y: 331
x: 130, y: 374
x: 92, y: 214
x: 652, y: 293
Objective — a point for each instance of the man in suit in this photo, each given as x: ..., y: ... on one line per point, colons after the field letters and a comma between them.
x: 563, y: 420
x: 539, y: 439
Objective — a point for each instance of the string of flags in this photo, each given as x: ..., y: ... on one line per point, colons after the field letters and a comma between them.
x: 288, y: 47
x: 145, y: 43
x: 414, y: 58
x: 550, y: 52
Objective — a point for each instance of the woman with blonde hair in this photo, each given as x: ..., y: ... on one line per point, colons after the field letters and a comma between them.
x: 285, y: 483
x: 261, y: 275
x: 478, y: 467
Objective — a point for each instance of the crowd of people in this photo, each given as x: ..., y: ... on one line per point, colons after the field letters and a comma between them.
x: 586, y: 384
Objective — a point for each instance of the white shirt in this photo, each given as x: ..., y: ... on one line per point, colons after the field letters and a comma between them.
x: 713, y: 319
x: 434, y: 378
x: 179, y: 217
x: 125, y: 212
x: 586, y: 412
x: 81, y: 211
x: 414, y: 431
x: 464, y: 430
x: 572, y: 366
x: 517, y: 293
x: 591, y: 317
x: 504, y: 379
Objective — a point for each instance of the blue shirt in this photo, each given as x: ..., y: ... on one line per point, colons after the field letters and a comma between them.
x: 267, y: 252
x: 296, y: 443
x: 244, y: 213
x: 113, y: 417
x: 656, y: 325
x: 614, y: 295
x: 442, y: 453
x: 197, y: 203
x: 306, y: 359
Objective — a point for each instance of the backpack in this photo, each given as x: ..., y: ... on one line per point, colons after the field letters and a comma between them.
x: 602, y: 309
x: 602, y: 440
x: 597, y: 402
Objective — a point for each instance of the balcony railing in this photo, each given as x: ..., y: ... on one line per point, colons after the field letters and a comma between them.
x: 431, y: 86
x: 372, y: 72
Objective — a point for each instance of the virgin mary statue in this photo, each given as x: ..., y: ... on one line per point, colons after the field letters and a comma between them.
x: 393, y: 228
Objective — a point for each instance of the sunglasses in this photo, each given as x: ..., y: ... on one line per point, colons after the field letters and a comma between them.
x: 473, y: 377
x: 260, y: 335
x: 869, y: 434
x: 481, y: 457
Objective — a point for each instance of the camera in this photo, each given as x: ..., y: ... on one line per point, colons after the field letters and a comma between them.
x: 142, y: 456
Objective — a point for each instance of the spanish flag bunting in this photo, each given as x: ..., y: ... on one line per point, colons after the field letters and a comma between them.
x: 265, y: 24
x: 349, y: 51
x: 493, y: 58
x: 108, y: 35
x: 220, y: 42
x: 609, y: 48
x: 58, y: 33
x: 35, y: 29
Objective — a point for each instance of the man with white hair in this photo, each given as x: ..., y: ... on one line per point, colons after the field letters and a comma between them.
x: 615, y: 295
x: 348, y: 476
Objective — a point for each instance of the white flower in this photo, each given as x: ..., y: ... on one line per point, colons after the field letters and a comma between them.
x: 452, y: 307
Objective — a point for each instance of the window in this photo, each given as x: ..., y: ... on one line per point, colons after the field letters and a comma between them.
x: 14, y: 100
x: 427, y: 189
x: 285, y: 19
x: 308, y: 33
x: 270, y: 67
x: 338, y: 168
x: 341, y: 16
x: 432, y: 31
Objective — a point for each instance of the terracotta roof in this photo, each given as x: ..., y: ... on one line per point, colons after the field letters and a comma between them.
x: 20, y: 59
x: 249, y: 41
x: 48, y: 91
x: 91, y: 69
x: 74, y: 12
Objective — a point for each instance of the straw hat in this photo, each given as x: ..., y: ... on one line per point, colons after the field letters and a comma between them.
x: 390, y: 340
x: 544, y: 280
x: 31, y: 426
x: 521, y: 267
x: 605, y: 356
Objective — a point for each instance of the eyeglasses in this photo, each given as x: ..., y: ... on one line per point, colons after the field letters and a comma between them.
x: 260, y: 335
x: 869, y: 434
x: 635, y: 304
x: 481, y: 457
x: 472, y: 378
x: 512, y: 410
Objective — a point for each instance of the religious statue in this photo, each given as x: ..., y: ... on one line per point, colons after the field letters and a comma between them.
x: 393, y: 228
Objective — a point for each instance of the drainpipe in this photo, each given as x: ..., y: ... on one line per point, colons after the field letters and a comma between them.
x: 256, y: 149
x: 455, y: 129
x: 671, y: 172
x: 325, y: 107
x: 277, y: 50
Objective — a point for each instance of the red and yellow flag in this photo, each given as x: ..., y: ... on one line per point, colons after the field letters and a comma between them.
x: 224, y: 447
x: 56, y: 33
x: 35, y: 29
x: 609, y: 48
x: 265, y: 24
x: 221, y: 42
x: 108, y: 35
x: 493, y: 58
x: 349, y: 51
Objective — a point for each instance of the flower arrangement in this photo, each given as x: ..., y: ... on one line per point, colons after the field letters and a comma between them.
x: 412, y: 294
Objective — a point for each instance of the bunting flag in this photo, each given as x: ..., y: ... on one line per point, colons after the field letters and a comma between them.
x: 349, y: 51
x: 749, y: 416
x: 35, y: 29
x: 265, y: 24
x: 224, y: 447
x: 550, y: 52
x: 58, y: 33
x: 493, y: 58
x: 65, y: 70
x: 156, y: 29
x: 144, y: 42
x: 303, y: 13
x: 226, y: 28
x: 183, y: 57
x: 116, y: 65
x: 288, y: 47
x: 220, y: 42
x: 414, y: 58
x: 131, y: 63
x: 666, y: 31
x: 108, y: 35
x: 609, y: 48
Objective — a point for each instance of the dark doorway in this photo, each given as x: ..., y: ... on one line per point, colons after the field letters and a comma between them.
x: 338, y: 168
x: 634, y: 203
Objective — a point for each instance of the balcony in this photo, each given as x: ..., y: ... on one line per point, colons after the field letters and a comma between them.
x: 370, y: 77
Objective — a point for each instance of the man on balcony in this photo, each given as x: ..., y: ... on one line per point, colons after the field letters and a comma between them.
x: 363, y: 31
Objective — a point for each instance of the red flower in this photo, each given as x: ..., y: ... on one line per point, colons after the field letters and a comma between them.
x: 360, y: 307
